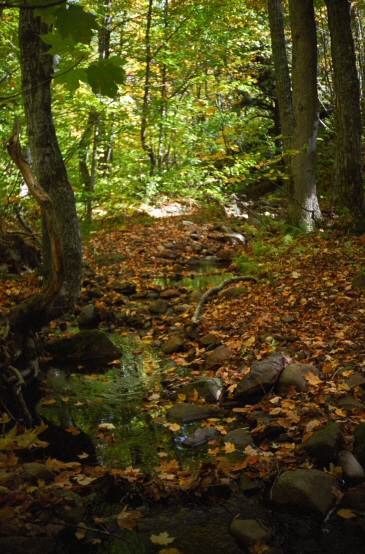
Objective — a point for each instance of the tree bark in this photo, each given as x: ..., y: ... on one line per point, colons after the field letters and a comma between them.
x: 303, y: 208
x: 36, y: 71
x: 282, y: 77
x: 146, y: 94
x: 348, y: 115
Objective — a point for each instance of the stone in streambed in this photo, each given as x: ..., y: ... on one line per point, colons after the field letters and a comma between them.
x: 311, y: 489
x: 324, y: 444
x: 249, y: 531
x: 359, y: 443
x: 200, y: 436
x: 158, y: 306
x: 293, y: 375
x: 86, y: 348
x: 189, y: 413
x: 210, y: 388
x: 218, y: 356
x: 262, y: 375
x: 239, y: 437
x: 351, y: 469
x: 89, y: 317
x: 173, y: 344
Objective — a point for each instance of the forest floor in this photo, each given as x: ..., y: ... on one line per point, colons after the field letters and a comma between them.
x: 304, y: 303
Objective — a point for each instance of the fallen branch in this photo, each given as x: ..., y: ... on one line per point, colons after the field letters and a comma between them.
x: 215, y: 290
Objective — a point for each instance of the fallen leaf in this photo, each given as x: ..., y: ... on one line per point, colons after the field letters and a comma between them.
x: 229, y: 447
x: 105, y: 426
x: 346, y: 513
x: 311, y: 378
x: 162, y: 538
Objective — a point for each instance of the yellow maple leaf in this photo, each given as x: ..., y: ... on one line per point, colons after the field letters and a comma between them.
x: 311, y: 378
x: 229, y: 447
x: 162, y: 538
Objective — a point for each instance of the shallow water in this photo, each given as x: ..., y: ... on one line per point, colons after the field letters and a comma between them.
x: 109, y: 408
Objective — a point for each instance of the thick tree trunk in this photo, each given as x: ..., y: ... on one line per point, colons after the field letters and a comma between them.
x: 348, y: 116
x: 36, y: 69
x: 303, y: 209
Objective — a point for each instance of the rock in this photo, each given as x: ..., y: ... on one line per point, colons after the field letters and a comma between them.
x: 324, y: 444
x: 89, y: 317
x: 305, y: 488
x: 200, y: 436
x: 226, y: 254
x: 209, y: 340
x: 262, y: 375
x: 181, y: 308
x: 355, y: 380
x: 293, y: 375
x: 72, y: 509
x: 91, y: 347
x: 188, y: 413
x: 247, y: 484
x: 195, y: 296
x: 125, y: 287
x: 349, y: 403
x: 359, y: 443
x: 288, y: 319
x: 169, y: 254
x: 174, y: 343
x: 351, y: 469
x: 249, y: 531
x: 218, y: 356
x: 39, y: 471
x: 235, y: 237
x: 358, y: 281
x: 210, y: 388
x: 239, y: 437
x: 354, y: 498
x: 158, y: 306
x: 170, y: 293
x: 230, y: 292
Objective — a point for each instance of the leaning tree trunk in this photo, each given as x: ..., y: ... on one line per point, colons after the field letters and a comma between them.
x: 36, y: 72
x: 348, y: 115
x: 303, y: 209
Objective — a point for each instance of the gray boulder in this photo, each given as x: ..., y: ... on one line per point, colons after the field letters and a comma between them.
x: 306, y: 488
x: 359, y: 443
x: 158, y: 306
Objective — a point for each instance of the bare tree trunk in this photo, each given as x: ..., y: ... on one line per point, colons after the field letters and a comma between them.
x: 348, y: 115
x: 36, y: 70
x: 303, y: 208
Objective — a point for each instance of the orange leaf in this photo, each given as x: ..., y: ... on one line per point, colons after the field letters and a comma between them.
x: 346, y: 513
x: 229, y: 447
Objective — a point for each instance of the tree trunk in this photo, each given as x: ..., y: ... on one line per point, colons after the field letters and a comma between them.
x: 36, y: 70
x: 146, y: 95
x: 282, y: 77
x: 303, y: 208
x: 348, y: 116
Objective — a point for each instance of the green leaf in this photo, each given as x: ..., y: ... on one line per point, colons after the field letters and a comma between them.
x: 73, y: 21
x: 104, y: 75
x: 71, y: 79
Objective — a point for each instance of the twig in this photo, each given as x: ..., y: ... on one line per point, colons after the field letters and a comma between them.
x: 215, y: 290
